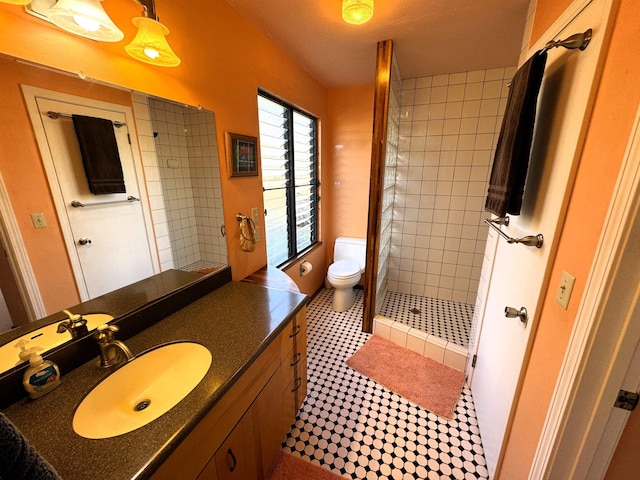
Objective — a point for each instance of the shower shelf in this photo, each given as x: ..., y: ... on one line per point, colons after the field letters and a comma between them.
x: 529, y: 240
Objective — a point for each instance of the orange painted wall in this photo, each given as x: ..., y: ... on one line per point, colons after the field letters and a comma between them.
x: 225, y: 59
x: 351, y: 118
x: 606, y: 141
x: 25, y: 178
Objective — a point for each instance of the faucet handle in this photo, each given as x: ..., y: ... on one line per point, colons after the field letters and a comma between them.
x: 72, y: 316
x: 105, y: 333
x: 75, y: 325
x: 76, y: 319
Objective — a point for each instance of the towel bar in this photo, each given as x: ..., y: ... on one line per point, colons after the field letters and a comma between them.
x: 56, y: 115
x: 77, y: 204
x: 578, y: 41
x: 529, y: 240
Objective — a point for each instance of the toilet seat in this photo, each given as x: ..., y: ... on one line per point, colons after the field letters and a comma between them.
x: 344, y: 270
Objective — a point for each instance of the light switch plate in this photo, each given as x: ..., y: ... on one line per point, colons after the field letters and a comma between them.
x: 254, y: 215
x: 38, y: 220
x: 564, y: 290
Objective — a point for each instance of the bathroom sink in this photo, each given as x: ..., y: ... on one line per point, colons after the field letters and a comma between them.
x: 142, y: 390
x: 46, y: 338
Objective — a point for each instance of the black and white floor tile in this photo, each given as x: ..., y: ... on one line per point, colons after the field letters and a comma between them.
x: 445, y: 319
x: 360, y: 430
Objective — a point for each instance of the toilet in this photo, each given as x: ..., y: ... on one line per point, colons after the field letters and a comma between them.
x: 349, y: 258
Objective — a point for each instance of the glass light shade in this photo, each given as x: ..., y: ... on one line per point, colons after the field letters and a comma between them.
x: 150, y: 45
x: 86, y: 18
x: 357, y: 11
x: 16, y: 2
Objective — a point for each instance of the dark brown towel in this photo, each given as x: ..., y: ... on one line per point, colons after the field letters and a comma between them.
x: 511, y: 161
x: 99, y: 154
x: 18, y: 459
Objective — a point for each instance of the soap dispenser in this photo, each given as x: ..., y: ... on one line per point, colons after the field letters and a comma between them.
x: 25, y: 353
x: 41, y: 377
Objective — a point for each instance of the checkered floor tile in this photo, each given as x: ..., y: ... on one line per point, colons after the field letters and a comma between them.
x: 201, y: 264
x: 445, y: 319
x: 359, y: 429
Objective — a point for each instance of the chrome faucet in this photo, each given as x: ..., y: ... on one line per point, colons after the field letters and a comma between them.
x: 75, y: 325
x: 111, y: 350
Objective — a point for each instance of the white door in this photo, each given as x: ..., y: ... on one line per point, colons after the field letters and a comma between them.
x: 109, y: 235
x: 519, y: 274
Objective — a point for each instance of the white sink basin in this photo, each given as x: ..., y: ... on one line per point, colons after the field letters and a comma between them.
x: 142, y: 390
x: 46, y: 338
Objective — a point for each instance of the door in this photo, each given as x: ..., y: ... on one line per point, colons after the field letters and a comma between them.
x: 108, y: 239
x: 517, y: 274
x: 236, y: 457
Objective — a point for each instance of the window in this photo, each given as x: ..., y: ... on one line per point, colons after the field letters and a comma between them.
x: 288, y: 147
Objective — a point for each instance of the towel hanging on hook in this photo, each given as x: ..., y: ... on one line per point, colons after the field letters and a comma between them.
x: 247, y: 233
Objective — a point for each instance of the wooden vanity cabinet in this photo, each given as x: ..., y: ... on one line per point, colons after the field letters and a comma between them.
x: 241, y: 436
x: 236, y: 457
x: 293, y: 367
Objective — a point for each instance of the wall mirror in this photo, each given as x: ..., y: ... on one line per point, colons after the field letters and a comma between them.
x: 178, y: 192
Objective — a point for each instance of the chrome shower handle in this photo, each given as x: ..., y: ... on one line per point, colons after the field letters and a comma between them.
x: 511, y: 312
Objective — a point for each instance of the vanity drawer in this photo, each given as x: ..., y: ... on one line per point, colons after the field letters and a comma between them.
x: 293, y: 395
x: 294, y: 336
x: 293, y: 367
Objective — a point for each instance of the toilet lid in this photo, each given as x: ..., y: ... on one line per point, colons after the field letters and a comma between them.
x: 344, y: 268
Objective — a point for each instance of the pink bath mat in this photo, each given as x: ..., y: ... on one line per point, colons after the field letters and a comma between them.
x: 430, y: 384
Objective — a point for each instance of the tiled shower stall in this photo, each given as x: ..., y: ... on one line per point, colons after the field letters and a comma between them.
x: 182, y: 174
x: 449, y: 127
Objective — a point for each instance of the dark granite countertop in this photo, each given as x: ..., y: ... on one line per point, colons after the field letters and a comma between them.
x: 235, y: 322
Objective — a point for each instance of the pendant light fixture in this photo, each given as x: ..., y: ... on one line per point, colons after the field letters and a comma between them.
x: 357, y: 11
x: 86, y: 18
x: 150, y: 44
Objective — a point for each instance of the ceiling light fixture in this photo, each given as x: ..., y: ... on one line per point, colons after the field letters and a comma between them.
x: 150, y: 44
x: 357, y: 12
x: 86, y: 18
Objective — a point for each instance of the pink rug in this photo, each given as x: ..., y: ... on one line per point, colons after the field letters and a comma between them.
x: 290, y: 467
x: 430, y: 384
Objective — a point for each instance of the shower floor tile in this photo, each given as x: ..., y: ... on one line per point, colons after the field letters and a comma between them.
x: 201, y: 264
x: 360, y: 430
x: 445, y: 319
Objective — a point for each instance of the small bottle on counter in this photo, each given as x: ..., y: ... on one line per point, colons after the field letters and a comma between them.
x: 41, y: 377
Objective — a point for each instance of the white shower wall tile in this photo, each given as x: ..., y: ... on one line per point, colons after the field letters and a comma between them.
x: 188, y: 165
x: 152, y: 179
x: 449, y: 127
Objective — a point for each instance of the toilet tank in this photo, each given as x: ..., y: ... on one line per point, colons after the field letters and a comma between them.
x: 347, y: 248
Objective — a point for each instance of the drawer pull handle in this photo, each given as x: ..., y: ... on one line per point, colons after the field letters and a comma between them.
x: 297, y: 331
x: 298, y: 384
x: 234, y: 463
x: 297, y: 360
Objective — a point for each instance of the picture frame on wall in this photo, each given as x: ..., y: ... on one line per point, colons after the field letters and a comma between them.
x: 242, y: 155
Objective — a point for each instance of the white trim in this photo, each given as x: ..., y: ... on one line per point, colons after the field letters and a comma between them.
x: 30, y: 95
x: 19, y: 258
x: 603, y: 330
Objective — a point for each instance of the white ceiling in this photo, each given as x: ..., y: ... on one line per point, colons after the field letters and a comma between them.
x: 430, y: 37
